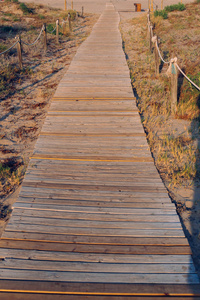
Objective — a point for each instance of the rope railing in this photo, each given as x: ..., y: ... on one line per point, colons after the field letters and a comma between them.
x: 162, y: 59
x: 52, y: 30
x: 19, y: 41
x: 9, y: 48
x: 35, y: 39
x: 173, y: 66
x: 196, y: 86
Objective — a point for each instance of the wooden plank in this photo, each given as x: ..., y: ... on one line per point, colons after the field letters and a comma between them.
x: 55, y: 296
x: 95, y: 248
x: 94, y: 224
x: 95, y: 231
x: 105, y: 240
x: 99, y: 267
x: 97, y: 202
x: 108, y: 289
x: 99, y: 277
x: 103, y: 258
x: 99, y: 210
x: 108, y: 216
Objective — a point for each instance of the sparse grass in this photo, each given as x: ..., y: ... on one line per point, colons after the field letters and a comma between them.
x: 11, y: 174
x: 175, y: 158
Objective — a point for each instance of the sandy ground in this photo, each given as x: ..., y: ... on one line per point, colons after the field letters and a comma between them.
x: 97, y: 6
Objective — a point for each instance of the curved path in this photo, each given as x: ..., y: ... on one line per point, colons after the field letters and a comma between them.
x: 94, y: 220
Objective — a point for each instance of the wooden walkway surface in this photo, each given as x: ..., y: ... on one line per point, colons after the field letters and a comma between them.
x: 94, y: 220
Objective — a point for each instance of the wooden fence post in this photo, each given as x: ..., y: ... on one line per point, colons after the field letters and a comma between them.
x: 69, y: 21
x: 174, y: 85
x: 150, y: 37
x: 45, y: 37
x: 82, y: 12
x: 72, y: 5
x: 63, y: 26
x: 65, y: 4
x: 19, y: 51
x: 152, y: 6
x: 155, y: 42
x: 57, y: 31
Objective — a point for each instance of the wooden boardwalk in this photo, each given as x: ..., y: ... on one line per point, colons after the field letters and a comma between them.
x: 94, y: 220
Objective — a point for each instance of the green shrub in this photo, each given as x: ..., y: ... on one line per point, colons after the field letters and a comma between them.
x: 179, y: 6
x: 161, y: 13
x: 50, y: 28
x: 164, y: 13
x: 26, y: 10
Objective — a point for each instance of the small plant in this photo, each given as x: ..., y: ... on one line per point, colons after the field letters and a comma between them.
x: 2, y: 47
x: 26, y: 10
x: 15, y: 19
x: 41, y: 17
x: 50, y: 28
x: 161, y: 13
x: 5, y: 19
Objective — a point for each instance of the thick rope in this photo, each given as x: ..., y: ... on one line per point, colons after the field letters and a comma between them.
x: 36, y: 38
x: 196, y: 86
x: 10, y: 48
x: 165, y: 62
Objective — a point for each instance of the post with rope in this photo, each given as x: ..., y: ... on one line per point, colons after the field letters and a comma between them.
x: 69, y: 22
x: 82, y: 12
x: 57, y: 31
x: 19, y: 51
x: 156, y: 55
x: 45, y: 37
x: 174, y: 84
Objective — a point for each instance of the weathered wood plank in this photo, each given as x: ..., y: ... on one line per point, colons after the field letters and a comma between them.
x: 95, y: 248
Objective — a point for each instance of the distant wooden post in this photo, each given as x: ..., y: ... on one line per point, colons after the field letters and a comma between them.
x: 45, y: 37
x: 19, y: 51
x: 57, y: 31
x: 63, y: 27
x: 174, y: 85
x: 162, y: 4
x: 72, y: 5
x: 65, y: 4
x: 156, y: 55
x: 69, y: 21
x: 82, y: 12
x: 151, y: 5
x: 150, y: 37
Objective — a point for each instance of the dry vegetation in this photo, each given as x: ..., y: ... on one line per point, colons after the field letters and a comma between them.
x: 174, y: 140
x: 25, y: 94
